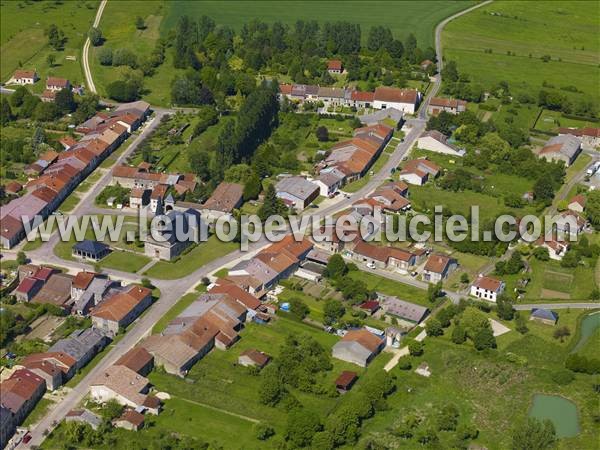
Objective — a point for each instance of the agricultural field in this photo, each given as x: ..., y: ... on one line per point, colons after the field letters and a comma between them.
x: 24, y: 44
x: 516, y: 27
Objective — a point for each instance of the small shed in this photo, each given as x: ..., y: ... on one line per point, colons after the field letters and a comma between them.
x: 345, y: 381
x: 130, y: 420
x: 544, y: 316
x: 253, y: 357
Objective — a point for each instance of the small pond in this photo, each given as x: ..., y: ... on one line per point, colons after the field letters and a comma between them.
x: 560, y: 411
x: 589, y: 325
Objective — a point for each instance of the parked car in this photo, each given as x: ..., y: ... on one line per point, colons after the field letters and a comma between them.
x: 371, y: 265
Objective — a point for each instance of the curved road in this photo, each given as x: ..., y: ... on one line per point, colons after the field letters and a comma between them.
x: 86, y: 47
x: 173, y: 290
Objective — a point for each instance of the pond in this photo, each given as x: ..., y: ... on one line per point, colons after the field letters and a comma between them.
x: 560, y: 411
x: 589, y: 325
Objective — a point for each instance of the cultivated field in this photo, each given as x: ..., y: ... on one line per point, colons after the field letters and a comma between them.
x: 529, y: 30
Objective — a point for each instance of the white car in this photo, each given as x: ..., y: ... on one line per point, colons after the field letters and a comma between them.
x: 371, y: 265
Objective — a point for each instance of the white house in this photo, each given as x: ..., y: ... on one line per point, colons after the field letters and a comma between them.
x: 487, y: 288
x: 23, y: 77
x: 329, y: 181
x: 406, y: 100
x: 435, y: 141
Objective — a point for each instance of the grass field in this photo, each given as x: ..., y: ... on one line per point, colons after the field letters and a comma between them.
x: 23, y: 42
x: 522, y: 28
x: 390, y: 287
x: 403, y: 18
x: 201, y: 254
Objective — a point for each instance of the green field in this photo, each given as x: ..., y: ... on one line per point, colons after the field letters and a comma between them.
x: 24, y: 44
x: 402, y: 18
x: 563, y: 30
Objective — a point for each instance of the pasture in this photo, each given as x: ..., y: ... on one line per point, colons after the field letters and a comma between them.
x: 523, y: 29
x: 24, y: 43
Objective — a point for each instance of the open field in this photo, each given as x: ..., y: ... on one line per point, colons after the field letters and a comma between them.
x: 516, y: 27
x: 23, y: 42
x: 419, y: 18
x: 390, y: 287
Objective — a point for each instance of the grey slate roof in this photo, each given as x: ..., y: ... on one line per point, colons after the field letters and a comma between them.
x: 545, y: 314
x: 297, y: 186
x: 89, y: 246
x: 402, y: 309
x: 79, y: 343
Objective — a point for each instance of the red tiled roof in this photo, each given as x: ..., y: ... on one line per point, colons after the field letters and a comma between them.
x: 334, y: 64
x: 135, y: 359
x: 390, y: 94
x: 361, y: 96
x: 83, y: 279
x: 364, y: 338
x: 488, y: 283
x: 437, y: 263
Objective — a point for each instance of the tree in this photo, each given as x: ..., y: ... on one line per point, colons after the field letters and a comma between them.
x: 571, y: 259
x: 21, y: 258
x: 95, y: 35
x: 45, y: 112
x: 592, y: 208
x: 105, y: 56
x: 111, y: 410
x: 520, y: 323
x: 263, y: 431
x: 272, y: 205
x: 447, y: 418
x: 322, y: 134
x: 123, y: 91
x: 333, y: 311
x: 139, y: 23
x: 6, y: 114
x: 301, y: 427
x: 124, y: 57
x: 252, y: 187
x: 532, y: 434
x: 434, y: 291
x: 56, y: 38
x: 543, y: 190
x: 459, y: 335
x: 464, y: 278
x: 415, y: 348
x: 336, y: 266
x: 541, y: 254
x: 271, y: 389
x: 298, y: 308
x: 484, y: 338
x: 51, y: 59
x: 561, y: 333
x: 504, y: 308
x: 434, y: 327
x: 65, y: 101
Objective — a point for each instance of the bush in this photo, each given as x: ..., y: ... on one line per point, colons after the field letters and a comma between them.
x: 123, y: 91
x: 105, y: 56
x: 415, y: 348
x: 263, y: 431
x: 562, y: 376
x: 404, y: 363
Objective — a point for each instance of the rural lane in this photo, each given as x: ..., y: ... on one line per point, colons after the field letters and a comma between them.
x: 86, y: 47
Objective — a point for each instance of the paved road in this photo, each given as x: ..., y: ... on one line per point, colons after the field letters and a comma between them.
x: 86, y: 47
x: 527, y: 307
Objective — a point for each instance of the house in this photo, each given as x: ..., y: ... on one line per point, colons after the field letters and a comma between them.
x: 335, y: 66
x: 55, y: 84
x: 556, y: 248
x: 329, y: 181
x: 244, y: 298
x: 331, y: 96
x: 63, y: 362
x: 139, y: 197
x: 392, y: 197
x: 487, y: 288
x: 90, y: 250
x: 49, y: 371
x: 254, y: 358
x: 360, y: 99
x: 564, y: 148
x: 27, y: 289
x: 370, y: 306
x: 130, y: 420
x: 92, y: 295
x: 57, y: 290
x: 68, y: 142
x: 157, y: 196
x: 179, y: 231
x: 23, y: 77
x: 126, y: 387
x: 406, y: 100
x: 21, y: 392
x: 438, y: 267
x: 401, y: 309
x: 569, y: 224
x: 449, y: 105
x: 139, y: 109
x: 435, y: 141
x: 81, y: 346
x: 358, y: 347
x: 7, y: 425
x: 418, y: 171
x: 590, y: 137
x: 13, y: 187
x: 577, y: 203
x: 297, y: 192
x: 426, y: 64
x: 137, y: 359
x: 225, y: 198
x: 121, y: 309
x: 383, y: 115
x: 380, y: 257
x: 84, y: 416
x: 81, y: 282
x: 545, y: 316
x: 345, y: 381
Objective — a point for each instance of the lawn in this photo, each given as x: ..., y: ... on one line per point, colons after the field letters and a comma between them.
x: 178, y: 308
x: 187, y: 263
x: 390, y: 287
x: 553, y: 120
x: 23, y: 42
x: 521, y: 27
x: 38, y: 412
x: 124, y: 261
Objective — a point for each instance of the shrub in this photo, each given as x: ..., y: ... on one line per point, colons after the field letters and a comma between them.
x: 404, y: 363
x: 562, y: 376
